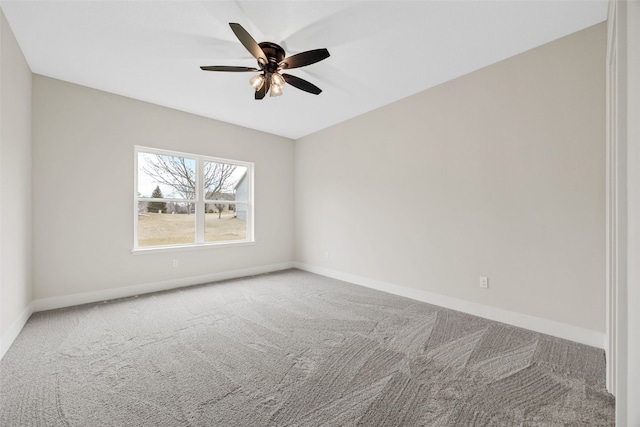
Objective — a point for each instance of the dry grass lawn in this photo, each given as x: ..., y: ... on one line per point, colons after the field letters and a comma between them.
x: 166, y: 229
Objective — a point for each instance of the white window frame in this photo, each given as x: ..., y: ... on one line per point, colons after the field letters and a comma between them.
x: 199, y: 201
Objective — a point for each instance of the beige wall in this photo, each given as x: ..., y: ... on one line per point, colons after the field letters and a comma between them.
x: 499, y: 173
x: 15, y: 186
x: 83, y: 190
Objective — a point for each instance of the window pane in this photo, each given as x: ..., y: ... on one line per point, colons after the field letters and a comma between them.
x: 166, y: 176
x: 188, y: 199
x: 226, y: 221
x: 176, y: 226
x: 224, y: 181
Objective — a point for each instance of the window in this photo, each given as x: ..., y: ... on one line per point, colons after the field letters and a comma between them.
x: 189, y: 200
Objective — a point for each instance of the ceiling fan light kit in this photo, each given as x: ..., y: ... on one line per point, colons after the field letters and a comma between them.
x: 275, y: 91
x: 257, y: 81
x: 272, y: 61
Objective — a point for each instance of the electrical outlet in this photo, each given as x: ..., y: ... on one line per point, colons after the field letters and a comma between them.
x: 176, y: 263
x: 484, y: 282
x: 326, y: 254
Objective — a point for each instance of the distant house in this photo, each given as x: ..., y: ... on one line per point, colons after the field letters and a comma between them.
x: 217, y: 207
x: 241, y: 189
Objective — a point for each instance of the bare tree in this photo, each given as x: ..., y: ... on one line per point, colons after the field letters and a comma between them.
x: 220, y: 208
x: 217, y: 179
x: 179, y: 174
x: 174, y: 172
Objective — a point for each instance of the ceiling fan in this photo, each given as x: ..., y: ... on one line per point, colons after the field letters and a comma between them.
x: 271, y: 63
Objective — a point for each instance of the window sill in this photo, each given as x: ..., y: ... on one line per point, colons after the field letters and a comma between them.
x: 189, y: 247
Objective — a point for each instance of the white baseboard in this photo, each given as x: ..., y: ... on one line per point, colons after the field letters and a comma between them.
x: 536, y: 324
x: 549, y: 327
x: 10, y: 336
x: 51, y: 303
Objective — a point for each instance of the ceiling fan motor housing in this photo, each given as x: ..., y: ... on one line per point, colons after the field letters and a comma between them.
x: 274, y: 53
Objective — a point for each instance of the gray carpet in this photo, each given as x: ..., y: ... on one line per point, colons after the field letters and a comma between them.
x: 292, y: 349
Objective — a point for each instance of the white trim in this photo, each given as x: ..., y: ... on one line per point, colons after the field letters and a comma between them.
x: 199, y: 201
x: 206, y: 157
x: 13, y: 332
x: 628, y: 323
x: 166, y: 199
x: 549, y: 327
x: 611, y: 193
x: 537, y: 324
x: 133, y: 290
x: 200, y: 212
x: 190, y: 247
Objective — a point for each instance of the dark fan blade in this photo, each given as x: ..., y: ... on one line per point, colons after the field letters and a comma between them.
x: 263, y: 90
x: 226, y: 68
x: 249, y: 43
x: 305, y: 58
x: 301, y: 84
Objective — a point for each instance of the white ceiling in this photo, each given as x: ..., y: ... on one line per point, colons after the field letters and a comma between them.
x: 381, y: 51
